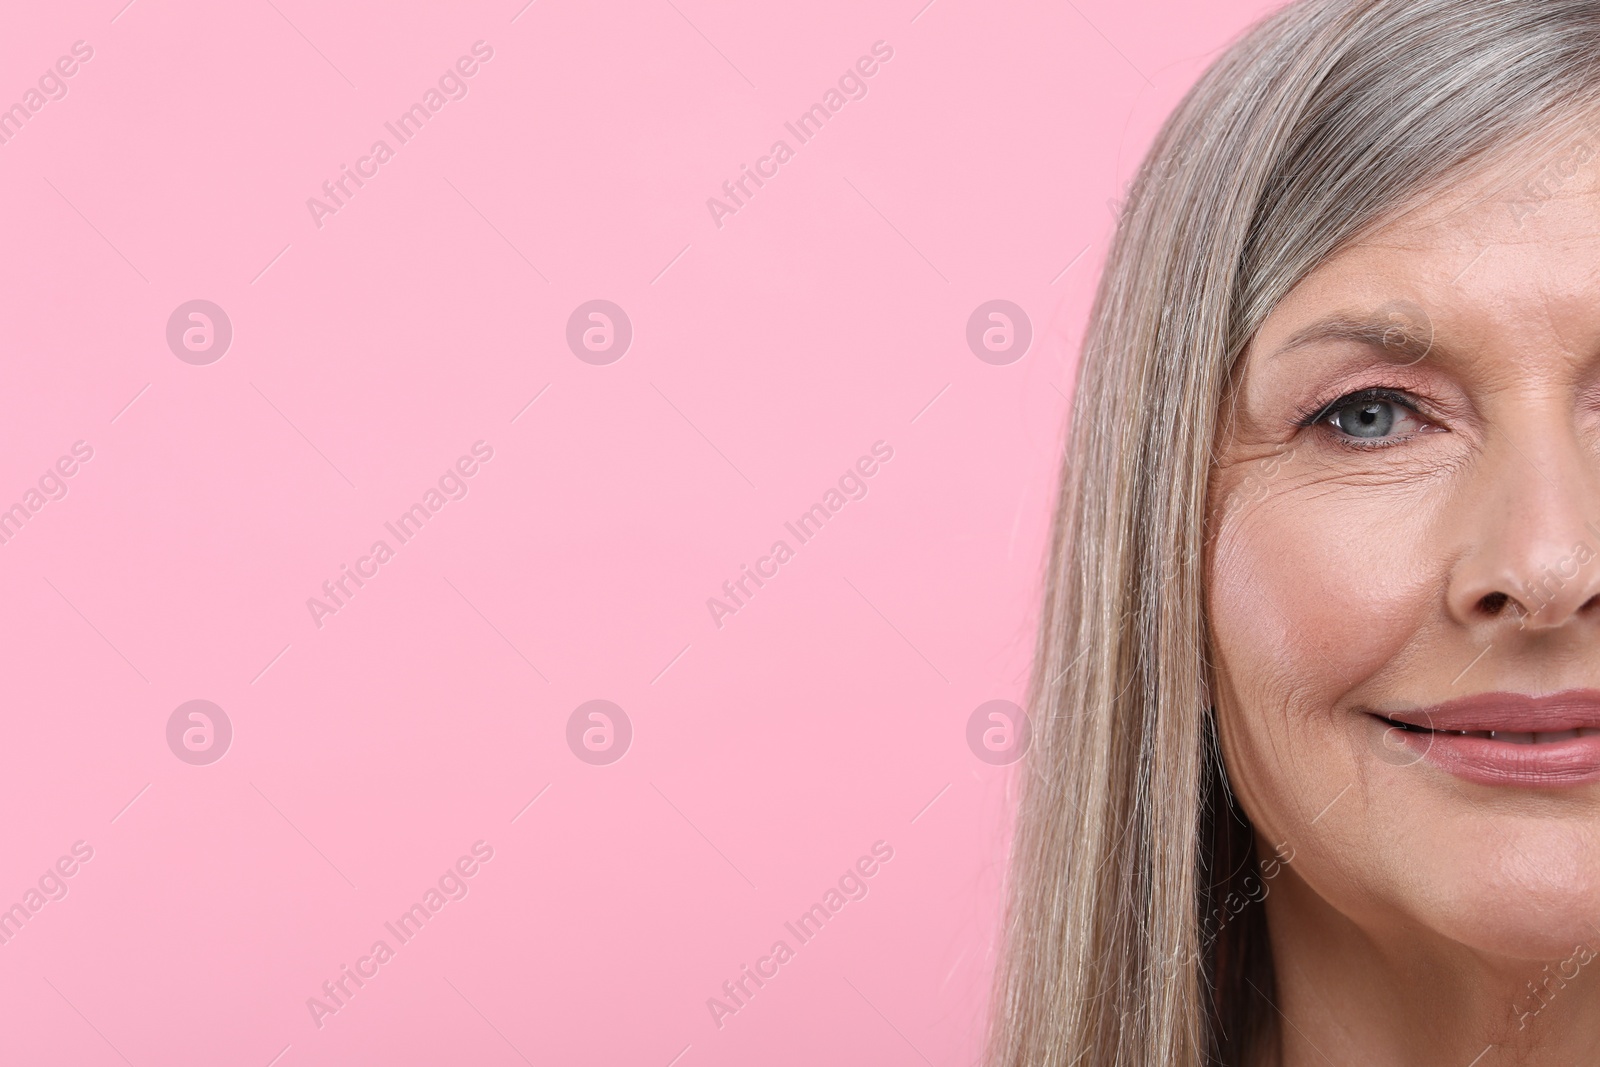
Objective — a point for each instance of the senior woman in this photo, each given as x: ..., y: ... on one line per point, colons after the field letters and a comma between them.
x: 1316, y: 775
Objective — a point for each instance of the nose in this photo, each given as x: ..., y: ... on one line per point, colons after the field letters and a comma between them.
x: 1532, y: 520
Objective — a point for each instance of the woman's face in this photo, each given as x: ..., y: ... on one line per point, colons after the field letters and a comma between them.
x: 1404, y: 569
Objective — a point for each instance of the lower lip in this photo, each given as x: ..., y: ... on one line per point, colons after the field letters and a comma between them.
x: 1551, y: 764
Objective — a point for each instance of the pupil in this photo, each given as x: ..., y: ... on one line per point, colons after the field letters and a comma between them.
x: 1369, y: 418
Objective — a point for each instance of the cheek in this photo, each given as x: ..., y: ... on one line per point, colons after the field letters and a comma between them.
x: 1321, y: 591
x: 1310, y: 596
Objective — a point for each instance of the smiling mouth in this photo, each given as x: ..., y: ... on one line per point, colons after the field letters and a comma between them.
x: 1515, y: 737
x: 1500, y: 739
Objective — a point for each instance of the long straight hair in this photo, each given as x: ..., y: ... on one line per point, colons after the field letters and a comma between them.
x: 1327, y: 118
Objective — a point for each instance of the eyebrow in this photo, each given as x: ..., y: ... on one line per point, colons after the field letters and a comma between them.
x: 1403, y: 341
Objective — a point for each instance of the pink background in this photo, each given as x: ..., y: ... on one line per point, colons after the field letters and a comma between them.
x: 768, y: 354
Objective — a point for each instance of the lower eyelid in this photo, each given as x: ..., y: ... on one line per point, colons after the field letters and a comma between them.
x: 1369, y: 444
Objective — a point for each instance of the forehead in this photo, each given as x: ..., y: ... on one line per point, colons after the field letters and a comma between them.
x: 1517, y: 235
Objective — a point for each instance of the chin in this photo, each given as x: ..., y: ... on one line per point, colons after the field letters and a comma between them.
x: 1521, y: 888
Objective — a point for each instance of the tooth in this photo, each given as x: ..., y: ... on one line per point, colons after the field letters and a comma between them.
x: 1511, y: 737
x: 1555, y: 735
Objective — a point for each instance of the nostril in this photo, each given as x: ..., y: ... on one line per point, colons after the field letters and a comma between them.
x: 1493, y: 604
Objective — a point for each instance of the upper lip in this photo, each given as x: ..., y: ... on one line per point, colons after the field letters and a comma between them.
x: 1571, y: 709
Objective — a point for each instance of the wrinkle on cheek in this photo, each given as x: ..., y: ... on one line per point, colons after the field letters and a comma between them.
x: 1269, y: 763
x: 1312, y: 593
x: 1259, y: 664
x: 1253, y: 614
x: 1296, y: 590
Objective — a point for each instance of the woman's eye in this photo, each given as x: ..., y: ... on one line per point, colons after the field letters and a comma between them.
x: 1370, y: 418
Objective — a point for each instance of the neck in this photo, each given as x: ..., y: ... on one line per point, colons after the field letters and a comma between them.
x: 1404, y: 995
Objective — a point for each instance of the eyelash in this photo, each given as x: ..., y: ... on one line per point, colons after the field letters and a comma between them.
x: 1318, y: 414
